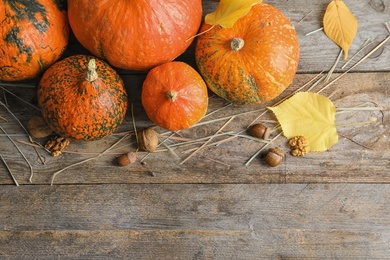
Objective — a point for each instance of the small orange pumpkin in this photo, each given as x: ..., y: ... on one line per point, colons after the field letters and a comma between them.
x: 33, y: 35
x: 174, y: 96
x: 252, y: 62
x: 82, y: 98
x: 136, y: 34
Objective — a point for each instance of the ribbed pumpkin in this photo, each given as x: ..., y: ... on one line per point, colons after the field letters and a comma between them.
x: 174, y: 96
x: 252, y: 62
x: 33, y: 35
x: 82, y: 98
x: 137, y: 34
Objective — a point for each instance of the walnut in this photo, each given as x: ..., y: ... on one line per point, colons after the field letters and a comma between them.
x: 299, y: 146
x: 57, y: 144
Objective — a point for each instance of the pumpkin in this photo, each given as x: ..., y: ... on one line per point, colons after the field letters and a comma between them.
x: 137, y: 34
x: 252, y: 62
x: 34, y: 34
x: 174, y: 96
x: 82, y: 98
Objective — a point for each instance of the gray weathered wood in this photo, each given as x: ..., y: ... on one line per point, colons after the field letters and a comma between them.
x: 361, y: 155
x: 196, y: 221
x: 322, y: 206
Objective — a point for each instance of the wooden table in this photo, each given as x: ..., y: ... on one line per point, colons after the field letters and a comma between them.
x: 333, y: 204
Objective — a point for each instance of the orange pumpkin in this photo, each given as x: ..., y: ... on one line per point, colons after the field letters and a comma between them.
x: 82, y: 98
x: 33, y: 35
x: 174, y: 96
x: 137, y: 34
x: 252, y: 62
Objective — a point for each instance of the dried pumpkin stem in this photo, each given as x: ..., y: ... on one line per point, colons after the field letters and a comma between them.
x: 237, y: 44
x: 171, y: 95
x: 91, y: 74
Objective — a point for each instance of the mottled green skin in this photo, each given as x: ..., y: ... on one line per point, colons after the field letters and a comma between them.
x: 78, y: 109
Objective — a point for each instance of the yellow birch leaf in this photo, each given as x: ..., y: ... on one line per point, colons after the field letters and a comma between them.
x: 310, y: 115
x: 229, y: 11
x: 340, y: 25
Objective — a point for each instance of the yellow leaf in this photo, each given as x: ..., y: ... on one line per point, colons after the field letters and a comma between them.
x: 229, y: 11
x: 310, y: 115
x: 340, y: 25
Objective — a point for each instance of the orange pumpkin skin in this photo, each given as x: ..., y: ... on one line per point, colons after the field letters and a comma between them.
x: 137, y: 34
x: 79, y: 107
x: 34, y: 34
x: 258, y: 72
x: 174, y: 96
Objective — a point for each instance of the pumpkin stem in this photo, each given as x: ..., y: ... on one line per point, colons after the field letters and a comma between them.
x: 236, y: 44
x: 171, y: 95
x: 91, y: 74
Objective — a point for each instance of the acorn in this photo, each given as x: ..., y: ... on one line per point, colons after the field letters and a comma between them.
x: 260, y: 131
x: 274, y: 156
x: 126, y: 159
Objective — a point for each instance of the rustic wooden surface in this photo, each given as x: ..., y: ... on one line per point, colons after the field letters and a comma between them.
x: 332, y: 204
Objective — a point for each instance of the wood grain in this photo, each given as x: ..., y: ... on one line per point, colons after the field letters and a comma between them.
x: 329, y: 205
x: 361, y: 155
x: 196, y: 221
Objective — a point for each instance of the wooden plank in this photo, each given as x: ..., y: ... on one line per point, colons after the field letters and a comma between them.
x: 146, y: 221
x: 361, y: 155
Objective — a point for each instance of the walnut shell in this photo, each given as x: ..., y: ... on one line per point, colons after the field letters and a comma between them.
x: 147, y: 140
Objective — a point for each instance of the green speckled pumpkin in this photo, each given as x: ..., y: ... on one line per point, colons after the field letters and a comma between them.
x: 252, y: 62
x: 82, y: 98
x: 33, y: 35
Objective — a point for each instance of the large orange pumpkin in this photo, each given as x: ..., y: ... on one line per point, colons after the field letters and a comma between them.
x: 174, y: 96
x: 82, y: 98
x: 136, y: 34
x: 252, y: 62
x: 33, y: 35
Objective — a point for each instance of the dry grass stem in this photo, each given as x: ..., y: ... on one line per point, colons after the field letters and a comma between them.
x: 262, y: 149
x: 21, y: 153
x: 358, y: 123
x: 86, y: 160
x: 354, y: 141
x: 9, y: 170
x: 303, y: 18
x: 24, y: 101
x: 330, y: 72
x: 205, y: 143
x: 356, y: 64
x: 312, y: 32
x: 365, y: 44
x: 216, y: 161
x: 218, y: 110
